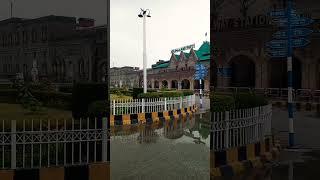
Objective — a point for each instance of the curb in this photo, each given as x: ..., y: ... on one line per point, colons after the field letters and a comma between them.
x: 94, y: 171
x: 235, y: 166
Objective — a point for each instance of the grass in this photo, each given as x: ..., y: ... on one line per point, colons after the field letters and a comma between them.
x: 115, y: 96
x: 17, y: 112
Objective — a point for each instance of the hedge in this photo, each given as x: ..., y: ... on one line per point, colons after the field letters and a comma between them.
x: 97, y: 109
x: 66, y: 89
x: 249, y: 100
x: 86, y: 93
x: 163, y: 94
x: 136, y: 92
x: 221, y: 103
x: 57, y: 100
x: 187, y: 92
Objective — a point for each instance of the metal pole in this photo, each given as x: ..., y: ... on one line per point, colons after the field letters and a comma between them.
x: 11, y: 8
x: 14, y: 144
x: 200, y: 94
x: 290, y: 77
x: 144, y: 56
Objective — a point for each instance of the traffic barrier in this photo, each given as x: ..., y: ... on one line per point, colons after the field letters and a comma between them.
x: 133, y: 119
x: 237, y: 160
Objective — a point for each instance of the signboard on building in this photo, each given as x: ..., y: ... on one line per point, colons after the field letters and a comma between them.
x: 183, y: 48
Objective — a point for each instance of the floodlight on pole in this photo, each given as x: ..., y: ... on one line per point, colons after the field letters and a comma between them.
x: 143, y: 14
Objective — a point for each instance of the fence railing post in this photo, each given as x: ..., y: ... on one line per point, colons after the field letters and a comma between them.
x: 165, y: 104
x: 13, y: 144
x: 226, y: 136
x: 105, y: 135
x: 143, y: 105
x: 181, y: 102
x: 114, y: 107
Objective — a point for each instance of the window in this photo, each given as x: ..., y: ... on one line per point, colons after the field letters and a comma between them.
x: 17, y: 68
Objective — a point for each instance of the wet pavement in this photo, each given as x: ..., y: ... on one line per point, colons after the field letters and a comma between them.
x: 181, y: 151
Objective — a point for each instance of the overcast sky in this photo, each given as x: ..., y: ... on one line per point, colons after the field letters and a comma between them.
x: 96, y: 9
x: 174, y: 23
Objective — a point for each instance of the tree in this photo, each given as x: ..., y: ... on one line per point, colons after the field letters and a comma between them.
x: 26, y: 98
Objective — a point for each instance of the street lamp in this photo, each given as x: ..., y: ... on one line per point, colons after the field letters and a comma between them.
x: 143, y: 14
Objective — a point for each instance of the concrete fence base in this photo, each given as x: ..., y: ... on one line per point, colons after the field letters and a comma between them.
x: 238, y: 160
x: 97, y: 171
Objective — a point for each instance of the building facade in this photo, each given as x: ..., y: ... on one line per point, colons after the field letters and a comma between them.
x: 178, y: 72
x: 239, y: 35
x: 64, y: 49
x: 128, y: 77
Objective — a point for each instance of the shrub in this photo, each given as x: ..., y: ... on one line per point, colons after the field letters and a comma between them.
x: 136, y: 92
x: 86, y: 93
x: 161, y: 94
x: 249, y: 100
x: 54, y: 99
x: 149, y: 95
x: 187, y: 92
x: 236, y: 101
x: 66, y: 89
x: 43, y: 85
x: 220, y: 103
x: 98, y: 108
x: 172, y: 94
x: 152, y: 90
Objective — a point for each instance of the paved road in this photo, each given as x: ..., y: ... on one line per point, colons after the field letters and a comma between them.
x: 306, y: 125
x: 182, y: 158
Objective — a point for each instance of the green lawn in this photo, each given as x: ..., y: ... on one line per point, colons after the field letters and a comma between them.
x: 114, y: 97
x: 17, y: 112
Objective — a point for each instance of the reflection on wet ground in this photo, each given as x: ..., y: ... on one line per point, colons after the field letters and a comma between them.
x: 180, y: 150
x: 172, y: 150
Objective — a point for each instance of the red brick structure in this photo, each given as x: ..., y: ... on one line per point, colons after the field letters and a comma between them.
x: 178, y: 72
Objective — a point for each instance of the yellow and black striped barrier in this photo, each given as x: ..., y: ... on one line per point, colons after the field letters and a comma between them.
x: 237, y: 160
x: 96, y: 171
x: 149, y: 118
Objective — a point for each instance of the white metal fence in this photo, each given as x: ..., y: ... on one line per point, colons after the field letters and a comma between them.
x: 240, y: 127
x: 300, y: 95
x: 39, y: 143
x: 134, y: 106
